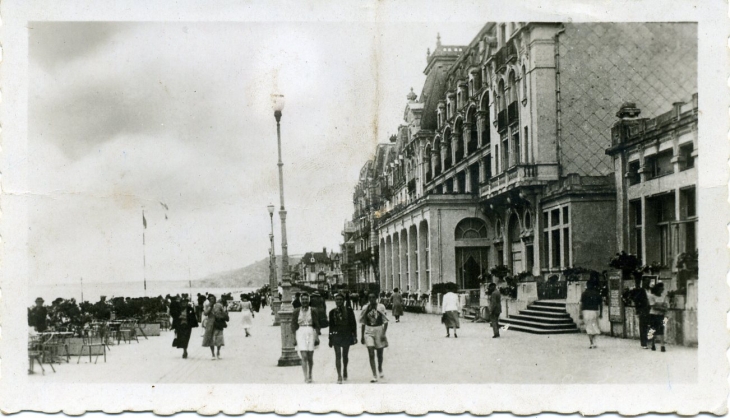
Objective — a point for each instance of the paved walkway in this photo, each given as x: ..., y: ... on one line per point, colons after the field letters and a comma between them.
x: 418, y: 353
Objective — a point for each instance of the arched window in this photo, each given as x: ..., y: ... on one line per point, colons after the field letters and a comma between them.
x: 528, y: 220
x: 498, y: 228
x: 503, y: 95
x: 512, y: 88
x: 495, y: 105
x: 471, y: 228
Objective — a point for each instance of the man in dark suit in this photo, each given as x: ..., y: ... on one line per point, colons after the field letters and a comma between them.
x: 641, y: 303
x: 495, y: 308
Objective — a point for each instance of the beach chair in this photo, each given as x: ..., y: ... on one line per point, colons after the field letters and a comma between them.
x: 35, y: 354
x: 127, y: 331
x: 52, y: 349
x: 88, y: 342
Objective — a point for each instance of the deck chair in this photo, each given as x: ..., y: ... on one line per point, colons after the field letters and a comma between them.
x: 88, y: 343
x: 35, y: 354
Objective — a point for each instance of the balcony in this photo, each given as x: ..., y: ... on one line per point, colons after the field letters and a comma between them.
x: 504, y: 56
x: 362, y: 256
x: 513, y: 113
x: 502, y: 120
x: 519, y: 176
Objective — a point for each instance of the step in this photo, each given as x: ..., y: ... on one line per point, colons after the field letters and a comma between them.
x: 538, y: 325
x: 543, y: 319
x: 533, y: 330
x: 547, y: 308
x: 544, y: 314
x: 551, y: 303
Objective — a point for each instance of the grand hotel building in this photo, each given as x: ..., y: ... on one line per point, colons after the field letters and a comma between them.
x: 501, y: 160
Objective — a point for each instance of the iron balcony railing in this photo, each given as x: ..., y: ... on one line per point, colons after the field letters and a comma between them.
x: 505, y: 55
x: 502, y: 120
x: 513, y: 114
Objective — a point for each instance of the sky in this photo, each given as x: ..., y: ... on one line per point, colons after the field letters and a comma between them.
x: 125, y: 117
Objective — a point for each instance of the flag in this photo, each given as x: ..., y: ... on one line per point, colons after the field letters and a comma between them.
x: 144, y: 221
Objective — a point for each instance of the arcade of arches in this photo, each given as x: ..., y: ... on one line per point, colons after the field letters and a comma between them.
x: 453, y: 246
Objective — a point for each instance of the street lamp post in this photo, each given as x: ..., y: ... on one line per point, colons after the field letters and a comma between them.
x: 288, y: 357
x: 273, y: 285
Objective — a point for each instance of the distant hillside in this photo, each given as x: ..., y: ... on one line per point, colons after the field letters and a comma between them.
x: 253, y: 275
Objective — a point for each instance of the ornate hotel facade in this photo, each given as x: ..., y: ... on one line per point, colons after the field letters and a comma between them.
x: 502, y: 159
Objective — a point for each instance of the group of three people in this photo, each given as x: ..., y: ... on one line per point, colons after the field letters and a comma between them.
x: 342, y: 334
x: 184, y: 319
x: 650, y: 304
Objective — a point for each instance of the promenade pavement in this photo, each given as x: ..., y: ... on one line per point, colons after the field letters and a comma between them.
x: 418, y: 353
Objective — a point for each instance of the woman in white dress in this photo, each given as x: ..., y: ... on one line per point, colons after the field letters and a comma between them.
x: 247, y: 310
x: 305, y: 327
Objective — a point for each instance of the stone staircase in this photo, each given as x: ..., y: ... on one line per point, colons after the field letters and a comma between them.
x: 542, y: 317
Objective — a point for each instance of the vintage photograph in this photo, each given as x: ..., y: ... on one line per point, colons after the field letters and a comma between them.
x: 535, y: 195
x: 363, y: 207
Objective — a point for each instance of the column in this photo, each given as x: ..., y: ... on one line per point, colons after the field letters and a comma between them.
x: 413, y: 271
x: 643, y: 229
x: 423, y: 286
x: 452, y: 141
x: 404, y: 273
x: 388, y: 258
x: 381, y: 264
x: 396, y: 261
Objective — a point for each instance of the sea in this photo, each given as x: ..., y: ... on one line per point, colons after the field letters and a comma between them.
x: 92, y: 292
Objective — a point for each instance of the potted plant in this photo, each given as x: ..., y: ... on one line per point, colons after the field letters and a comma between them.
x: 574, y: 274
x: 627, y: 263
x: 500, y: 272
x: 525, y: 276
x: 688, y: 261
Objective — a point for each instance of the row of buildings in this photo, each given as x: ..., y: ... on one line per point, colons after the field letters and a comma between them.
x: 539, y: 146
x: 321, y: 270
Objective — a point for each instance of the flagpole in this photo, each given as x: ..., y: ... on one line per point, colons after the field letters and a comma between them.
x: 144, y: 253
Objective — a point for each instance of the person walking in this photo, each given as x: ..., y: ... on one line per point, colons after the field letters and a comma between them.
x: 396, y: 300
x: 183, y: 323
x: 591, y: 308
x: 658, y: 303
x: 215, y: 321
x: 451, y: 309
x: 495, y: 308
x: 256, y: 302
x: 374, y: 324
x: 305, y: 327
x: 643, y: 309
x: 199, y: 307
x: 248, y: 315
x: 296, y: 303
x: 363, y: 299
x: 349, y: 297
x: 316, y: 300
x: 349, y: 302
x: 343, y: 334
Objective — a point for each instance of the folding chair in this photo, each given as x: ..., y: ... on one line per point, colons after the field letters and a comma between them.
x: 88, y: 342
x: 35, y: 354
